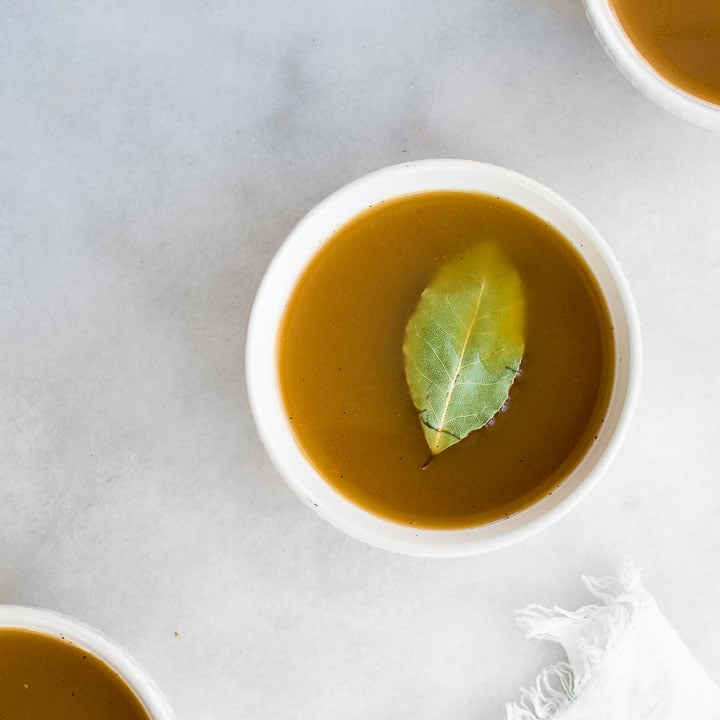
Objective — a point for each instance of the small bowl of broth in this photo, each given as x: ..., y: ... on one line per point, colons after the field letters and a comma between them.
x: 530, y: 362
x: 53, y: 666
x: 669, y: 49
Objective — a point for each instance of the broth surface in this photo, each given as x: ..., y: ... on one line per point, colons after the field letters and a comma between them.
x: 342, y: 373
x: 43, y: 676
x: 679, y: 38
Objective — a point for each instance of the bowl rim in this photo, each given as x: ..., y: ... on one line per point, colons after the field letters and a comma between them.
x: 52, y: 623
x: 633, y: 65
x: 263, y: 386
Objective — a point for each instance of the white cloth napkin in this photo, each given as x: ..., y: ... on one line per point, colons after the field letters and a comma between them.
x: 625, y: 661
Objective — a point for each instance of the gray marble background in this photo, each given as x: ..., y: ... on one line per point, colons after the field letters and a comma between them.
x: 153, y: 155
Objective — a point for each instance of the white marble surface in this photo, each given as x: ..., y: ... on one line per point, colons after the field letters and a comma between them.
x: 153, y: 155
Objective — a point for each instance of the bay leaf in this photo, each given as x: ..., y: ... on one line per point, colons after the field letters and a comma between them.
x: 464, y: 344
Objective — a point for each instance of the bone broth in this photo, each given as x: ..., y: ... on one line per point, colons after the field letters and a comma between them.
x: 679, y: 38
x: 45, y: 677
x: 343, y: 375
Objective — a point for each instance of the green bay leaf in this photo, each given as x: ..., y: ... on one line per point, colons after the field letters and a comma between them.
x: 464, y: 344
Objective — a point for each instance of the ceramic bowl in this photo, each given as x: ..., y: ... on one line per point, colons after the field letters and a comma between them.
x: 293, y: 257
x: 51, y: 623
x: 642, y: 74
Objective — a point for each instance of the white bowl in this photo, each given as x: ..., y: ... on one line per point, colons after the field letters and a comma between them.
x: 81, y: 635
x: 642, y: 74
x: 278, y: 284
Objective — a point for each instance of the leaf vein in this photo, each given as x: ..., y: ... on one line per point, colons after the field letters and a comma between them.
x: 453, y: 311
x: 461, y: 355
x: 442, y: 364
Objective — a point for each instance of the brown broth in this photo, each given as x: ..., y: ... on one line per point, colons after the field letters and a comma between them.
x: 679, y: 38
x: 44, y: 676
x: 342, y: 374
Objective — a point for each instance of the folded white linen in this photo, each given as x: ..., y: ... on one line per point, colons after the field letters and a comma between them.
x: 625, y: 661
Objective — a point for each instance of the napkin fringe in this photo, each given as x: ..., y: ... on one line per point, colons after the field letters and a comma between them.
x: 552, y: 691
x: 587, y: 635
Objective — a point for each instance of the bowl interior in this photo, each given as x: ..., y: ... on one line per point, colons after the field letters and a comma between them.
x: 302, y: 244
x: 55, y: 624
x: 642, y: 74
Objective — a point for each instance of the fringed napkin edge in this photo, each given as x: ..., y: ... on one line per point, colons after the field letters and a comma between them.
x: 588, y: 635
